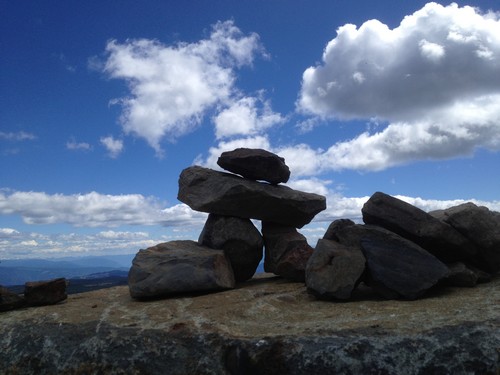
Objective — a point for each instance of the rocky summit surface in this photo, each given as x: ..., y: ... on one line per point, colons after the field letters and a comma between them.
x: 264, y: 326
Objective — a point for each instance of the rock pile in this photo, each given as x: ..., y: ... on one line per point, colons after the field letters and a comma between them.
x: 399, y: 252
x: 229, y: 243
x: 402, y: 251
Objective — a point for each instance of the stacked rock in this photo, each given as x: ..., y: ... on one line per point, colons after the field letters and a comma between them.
x: 251, y: 191
x: 402, y: 251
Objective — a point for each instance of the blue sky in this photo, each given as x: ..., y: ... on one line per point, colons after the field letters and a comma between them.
x: 102, y: 104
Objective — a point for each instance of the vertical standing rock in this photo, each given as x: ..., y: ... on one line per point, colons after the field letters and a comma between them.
x: 240, y: 240
x: 279, y: 240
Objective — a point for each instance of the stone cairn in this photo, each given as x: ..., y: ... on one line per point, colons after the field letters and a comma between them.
x: 400, y: 251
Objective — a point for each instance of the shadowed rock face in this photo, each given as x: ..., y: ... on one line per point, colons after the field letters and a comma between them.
x: 255, y: 164
x: 178, y: 267
x: 240, y: 240
x: 480, y: 226
x: 267, y: 326
x: 210, y: 191
x: 410, y: 222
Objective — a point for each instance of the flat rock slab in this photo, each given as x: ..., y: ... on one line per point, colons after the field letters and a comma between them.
x: 178, y: 267
x: 267, y: 325
x: 220, y: 193
x: 255, y: 164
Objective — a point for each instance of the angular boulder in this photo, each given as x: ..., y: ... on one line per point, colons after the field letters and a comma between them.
x: 240, y: 240
x: 460, y: 275
x: 220, y: 193
x: 255, y: 164
x: 482, y: 227
x: 292, y: 265
x: 437, y: 237
x: 9, y: 300
x: 178, y: 267
x: 334, y: 270
x: 335, y: 227
x: 399, y: 266
x: 279, y: 240
x: 40, y: 293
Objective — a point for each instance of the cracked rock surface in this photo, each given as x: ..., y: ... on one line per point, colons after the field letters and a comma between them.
x: 265, y: 326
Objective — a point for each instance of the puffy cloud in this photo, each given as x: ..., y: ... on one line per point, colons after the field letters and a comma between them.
x: 173, y: 86
x: 114, y: 146
x: 434, y: 81
x: 17, y: 136
x: 244, y: 117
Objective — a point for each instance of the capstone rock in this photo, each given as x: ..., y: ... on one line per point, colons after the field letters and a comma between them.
x: 179, y: 267
x: 221, y: 193
x: 255, y: 164
x: 437, y: 237
x: 241, y: 241
x: 334, y: 270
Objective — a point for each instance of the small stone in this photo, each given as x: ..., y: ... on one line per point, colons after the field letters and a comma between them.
x: 255, y: 164
x: 178, y: 267
x: 241, y: 241
x: 334, y: 270
x: 335, y: 226
x: 50, y: 292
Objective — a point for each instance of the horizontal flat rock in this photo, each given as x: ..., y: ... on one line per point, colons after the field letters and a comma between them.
x: 265, y: 326
x: 206, y: 190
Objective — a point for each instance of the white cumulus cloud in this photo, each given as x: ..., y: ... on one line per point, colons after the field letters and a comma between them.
x: 172, y: 87
x: 114, y: 146
x: 434, y: 81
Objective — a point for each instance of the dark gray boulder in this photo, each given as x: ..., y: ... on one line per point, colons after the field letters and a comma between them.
x: 437, y: 237
x: 460, y: 275
x: 10, y: 300
x: 397, y: 265
x: 40, y: 293
x: 334, y: 270
x: 240, y: 240
x: 279, y: 240
x: 482, y: 227
x: 336, y: 226
x: 221, y: 193
x: 292, y: 265
x: 178, y: 267
x: 255, y: 164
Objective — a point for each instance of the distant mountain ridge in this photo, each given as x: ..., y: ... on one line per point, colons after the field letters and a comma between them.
x: 19, y: 271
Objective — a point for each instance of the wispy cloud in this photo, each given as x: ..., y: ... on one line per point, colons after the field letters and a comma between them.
x: 17, y: 136
x: 73, y: 145
x: 434, y: 81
